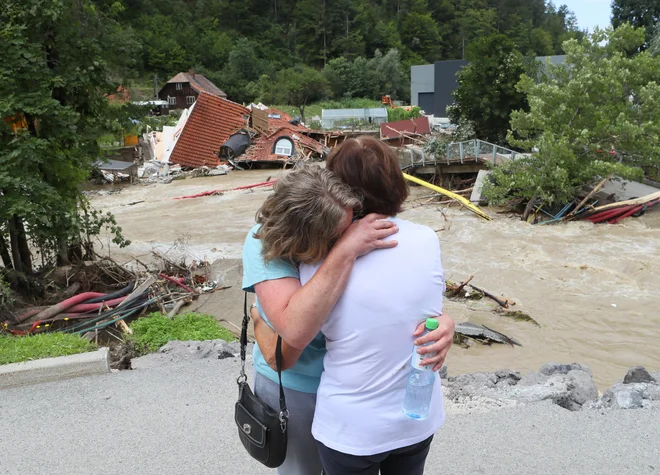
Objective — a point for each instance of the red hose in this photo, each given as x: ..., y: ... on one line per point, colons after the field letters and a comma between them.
x: 87, y: 307
x: 213, y: 192
x: 62, y: 306
x: 30, y: 313
x: 608, y: 214
x: 629, y: 213
x: 175, y: 281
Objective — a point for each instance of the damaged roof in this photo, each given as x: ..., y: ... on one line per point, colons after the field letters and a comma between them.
x: 419, y: 126
x: 199, y: 83
x: 263, y: 149
x: 211, y: 122
x: 278, y: 118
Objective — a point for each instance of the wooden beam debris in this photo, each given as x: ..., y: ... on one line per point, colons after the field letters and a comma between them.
x: 465, y: 202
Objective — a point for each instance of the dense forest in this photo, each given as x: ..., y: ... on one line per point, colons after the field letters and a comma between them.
x: 242, y: 44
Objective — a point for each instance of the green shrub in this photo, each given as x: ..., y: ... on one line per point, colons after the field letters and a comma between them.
x: 45, y: 345
x: 149, y: 334
x: 399, y: 113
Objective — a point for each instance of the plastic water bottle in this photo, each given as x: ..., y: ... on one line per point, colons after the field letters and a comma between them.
x: 419, y: 391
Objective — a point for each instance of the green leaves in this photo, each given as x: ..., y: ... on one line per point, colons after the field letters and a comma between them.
x: 53, y: 79
x: 595, y: 115
x: 487, y: 92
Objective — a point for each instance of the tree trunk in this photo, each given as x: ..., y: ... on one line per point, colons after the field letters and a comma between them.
x: 4, y: 253
x: 13, y: 242
x: 23, y: 246
x: 63, y: 254
x: 302, y: 113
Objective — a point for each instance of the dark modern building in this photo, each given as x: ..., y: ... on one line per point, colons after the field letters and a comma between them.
x: 432, y: 85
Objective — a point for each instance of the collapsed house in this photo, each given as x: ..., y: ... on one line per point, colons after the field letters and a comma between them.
x: 275, y: 138
x: 216, y: 131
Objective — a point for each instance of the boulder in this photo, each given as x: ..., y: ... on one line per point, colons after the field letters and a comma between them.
x: 638, y: 374
x: 569, y: 386
x: 639, y: 390
x: 621, y: 396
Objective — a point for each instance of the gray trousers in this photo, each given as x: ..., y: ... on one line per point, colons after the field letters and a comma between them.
x: 302, y: 456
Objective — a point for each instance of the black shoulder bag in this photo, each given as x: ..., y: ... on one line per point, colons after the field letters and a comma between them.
x: 262, y: 429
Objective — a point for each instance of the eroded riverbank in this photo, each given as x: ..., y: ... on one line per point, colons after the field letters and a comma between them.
x: 593, y: 289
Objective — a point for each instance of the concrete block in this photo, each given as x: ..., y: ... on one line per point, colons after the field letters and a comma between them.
x: 479, y: 186
x: 54, y: 369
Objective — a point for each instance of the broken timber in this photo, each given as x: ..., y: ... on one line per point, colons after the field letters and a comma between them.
x: 465, y: 202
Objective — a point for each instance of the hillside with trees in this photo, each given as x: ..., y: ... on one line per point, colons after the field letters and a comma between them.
x: 245, y: 45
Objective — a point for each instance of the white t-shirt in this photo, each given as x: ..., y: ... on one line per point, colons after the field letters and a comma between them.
x: 369, y: 346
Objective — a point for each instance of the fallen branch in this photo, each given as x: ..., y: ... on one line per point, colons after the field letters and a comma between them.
x: 138, y: 291
x: 176, y: 309
x: 502, y: 303
x: 458, y: 289
x: 587, y: 198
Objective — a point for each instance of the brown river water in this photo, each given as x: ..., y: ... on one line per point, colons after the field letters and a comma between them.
x: 592, y: 288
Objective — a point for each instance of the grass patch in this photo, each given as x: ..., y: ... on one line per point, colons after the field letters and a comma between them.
x: 46, y: 345
x: 149, y: 334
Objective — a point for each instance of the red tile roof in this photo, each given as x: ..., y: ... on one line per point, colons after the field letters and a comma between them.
x: 390, y: 130
x: 199, y: 83
x: 283, y: 121
x: 262, y: 150
x: 210, y: 124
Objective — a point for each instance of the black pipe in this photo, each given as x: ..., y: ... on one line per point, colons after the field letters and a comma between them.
x: 115, y: 295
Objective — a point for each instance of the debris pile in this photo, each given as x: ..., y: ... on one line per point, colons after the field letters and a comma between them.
x: 467, y: 333
x: 111, y: 294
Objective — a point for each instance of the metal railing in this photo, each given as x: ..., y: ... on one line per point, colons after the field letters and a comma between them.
x: 463, y: 152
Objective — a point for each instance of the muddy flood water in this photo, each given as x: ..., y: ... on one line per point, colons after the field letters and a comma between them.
x: 594, y: 289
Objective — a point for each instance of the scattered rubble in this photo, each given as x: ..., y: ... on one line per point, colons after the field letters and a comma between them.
x: 182, y: 351
x: 639, y: 390
x: 568, y: 386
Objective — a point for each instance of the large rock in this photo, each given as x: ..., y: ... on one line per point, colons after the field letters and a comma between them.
x: 639, y: 390
x: 569, y: 386
x: 638, y: 374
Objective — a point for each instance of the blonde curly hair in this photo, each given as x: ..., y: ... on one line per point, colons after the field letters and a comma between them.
x: 301, y: 220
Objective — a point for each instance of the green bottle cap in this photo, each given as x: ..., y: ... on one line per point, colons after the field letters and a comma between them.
x: 432, y: 323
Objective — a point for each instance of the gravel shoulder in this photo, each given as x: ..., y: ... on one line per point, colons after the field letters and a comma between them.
x: 178, y: 419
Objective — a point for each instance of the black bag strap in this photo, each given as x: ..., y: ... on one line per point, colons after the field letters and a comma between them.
x: 284, y: 413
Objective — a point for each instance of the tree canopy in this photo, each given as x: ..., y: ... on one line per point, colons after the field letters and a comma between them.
x: 639, y: 13
x: 594, y: 115
x: 54, y: 79
x: 236, y: 42
x: 487, y: 92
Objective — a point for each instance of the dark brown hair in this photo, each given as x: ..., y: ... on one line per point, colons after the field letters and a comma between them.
x: 372, y: 170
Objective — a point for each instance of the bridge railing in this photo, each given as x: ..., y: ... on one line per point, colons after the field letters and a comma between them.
x: 458, y: 152
x: 477, y: 150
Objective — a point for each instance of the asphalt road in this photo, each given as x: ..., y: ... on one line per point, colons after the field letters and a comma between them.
x: 179, y: 420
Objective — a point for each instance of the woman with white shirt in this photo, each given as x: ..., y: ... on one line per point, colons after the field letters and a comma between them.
x: 358, y: 423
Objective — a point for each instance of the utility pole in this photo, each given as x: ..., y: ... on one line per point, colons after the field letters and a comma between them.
x: 155, y: 86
